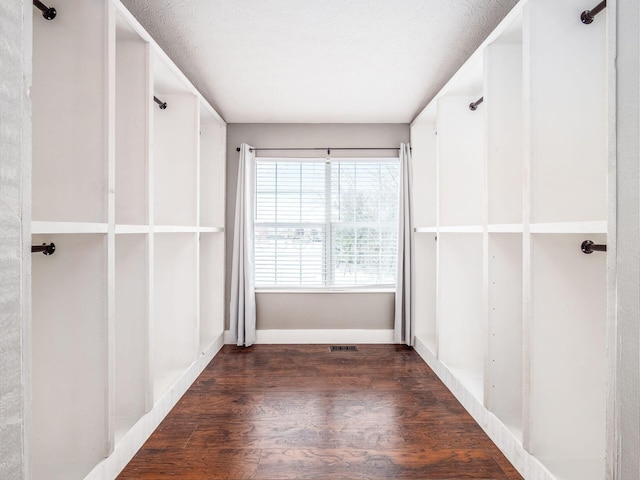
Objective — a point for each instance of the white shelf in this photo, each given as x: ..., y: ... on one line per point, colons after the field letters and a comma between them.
x: 125, y: 425
x: 505, y: 228
x: 569, y: 227
x: 175, y: 229
x: 211, y: 229
x: 164, y: 380
x: 206, y: 345
x: 513, y: 421
x: 67, y: 471
x: 186, y: 229
x: 576, y: 468
x: 461, y: 229
x: 429, y: 341
x: 425, y: 229
x: 132, y: 229
x: 40, y: 227
x: 472, y: 380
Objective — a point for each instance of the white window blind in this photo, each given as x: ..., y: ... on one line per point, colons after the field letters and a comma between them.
x: 324, y: 224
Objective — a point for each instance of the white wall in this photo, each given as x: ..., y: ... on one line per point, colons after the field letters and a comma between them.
x: 15, y: 193
x: 312, y: 310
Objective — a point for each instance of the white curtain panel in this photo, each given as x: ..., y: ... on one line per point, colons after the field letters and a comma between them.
x: 404, y: 326
x: 242, y: 310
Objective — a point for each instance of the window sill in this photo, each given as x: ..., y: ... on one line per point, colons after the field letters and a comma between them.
x: 325, y: 290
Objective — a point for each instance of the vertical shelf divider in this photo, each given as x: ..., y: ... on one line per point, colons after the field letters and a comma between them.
x: 110, y: 142
x: 150, y: 208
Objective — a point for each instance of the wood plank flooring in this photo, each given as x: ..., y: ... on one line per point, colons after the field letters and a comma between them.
x: 303, y: 412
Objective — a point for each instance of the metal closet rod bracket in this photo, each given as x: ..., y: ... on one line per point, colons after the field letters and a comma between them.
x: 44, y: 248
x: 47, y: 12
x: 588, y: 15
x: 474, y: 105
x: 589, y: 247
x: 162, y: 105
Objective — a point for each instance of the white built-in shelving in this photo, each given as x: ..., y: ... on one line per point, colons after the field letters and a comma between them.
x: 509, y: 311
x: 129, y: 308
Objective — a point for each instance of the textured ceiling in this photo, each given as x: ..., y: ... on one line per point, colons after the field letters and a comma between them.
x: 319, y: 61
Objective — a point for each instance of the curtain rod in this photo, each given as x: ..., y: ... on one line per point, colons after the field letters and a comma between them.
x: 48, y: 13
x: 162, y: 105
x: 328, y: 149
x: 473, y: 106
x: 588, y: 16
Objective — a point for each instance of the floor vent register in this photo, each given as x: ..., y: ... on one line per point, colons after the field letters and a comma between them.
x: 344, y: 348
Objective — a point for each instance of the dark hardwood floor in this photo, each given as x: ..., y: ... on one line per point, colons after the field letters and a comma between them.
x: 296, y: 412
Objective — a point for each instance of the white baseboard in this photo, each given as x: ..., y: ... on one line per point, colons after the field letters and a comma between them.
x: 317, y: 336
x: 529, y: 466
x: 131, y: 442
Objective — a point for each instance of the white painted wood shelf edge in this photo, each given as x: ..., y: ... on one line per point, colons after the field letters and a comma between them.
x: 425, y: 229
x: 505, y: 228
x: 132, y: 229
x: 211, y: 229
x: 429, y: 341
x: 575, y: 468
x: 491, y: 228
x: 460, y: 229
x: 570, y: 227
x: 185, y: 229
x: 42, y: 227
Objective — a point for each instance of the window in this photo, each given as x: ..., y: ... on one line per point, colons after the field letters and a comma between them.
x: 326, y: 223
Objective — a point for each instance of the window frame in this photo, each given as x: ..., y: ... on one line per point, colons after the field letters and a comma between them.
x: 328, y: 276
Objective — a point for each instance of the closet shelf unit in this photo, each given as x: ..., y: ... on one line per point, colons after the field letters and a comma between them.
x: 509, y: 191
x: 129, y: 309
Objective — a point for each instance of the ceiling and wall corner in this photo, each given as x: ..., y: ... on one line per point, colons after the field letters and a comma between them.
x: 309, y: 61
